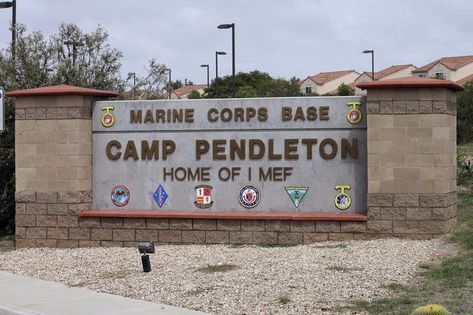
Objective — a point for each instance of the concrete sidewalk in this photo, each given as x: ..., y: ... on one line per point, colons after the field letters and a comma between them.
x: 28, y: 296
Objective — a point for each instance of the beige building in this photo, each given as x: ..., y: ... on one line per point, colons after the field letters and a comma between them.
x: 327, y: 82
x: 392, y: 72
x: 183, y: 92
x: 457, y: 69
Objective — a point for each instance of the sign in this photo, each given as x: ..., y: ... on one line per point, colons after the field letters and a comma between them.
x: 231, y: 154
x: 2, y: 109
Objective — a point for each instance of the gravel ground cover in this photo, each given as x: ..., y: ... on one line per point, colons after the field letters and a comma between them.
x: 222, y: 279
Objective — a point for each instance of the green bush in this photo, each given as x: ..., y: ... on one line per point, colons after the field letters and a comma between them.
x: 465, y: 114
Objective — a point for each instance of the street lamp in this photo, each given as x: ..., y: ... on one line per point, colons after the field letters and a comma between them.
x: 170, y: 82
x: 216, y: 61
x: 12, y: 4
x: 232, y: 26
x: 371, y: 51
x: 134, y: 82
x: 207, y: 66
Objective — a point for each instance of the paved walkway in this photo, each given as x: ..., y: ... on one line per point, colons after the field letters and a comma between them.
x: 28, y: 296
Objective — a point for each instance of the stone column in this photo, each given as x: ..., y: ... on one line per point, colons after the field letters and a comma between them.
x: 53, y: 152
x: 411, y: 156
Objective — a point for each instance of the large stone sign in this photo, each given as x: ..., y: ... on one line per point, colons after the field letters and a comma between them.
x: 274, y: 154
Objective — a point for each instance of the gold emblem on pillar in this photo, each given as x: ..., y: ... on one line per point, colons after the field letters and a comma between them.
x: 342, y: 199
x: 354, y: 115
x: 108, y: 119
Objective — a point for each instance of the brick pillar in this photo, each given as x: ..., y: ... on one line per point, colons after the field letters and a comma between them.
x: 53, y: 152
x: 411, y: 156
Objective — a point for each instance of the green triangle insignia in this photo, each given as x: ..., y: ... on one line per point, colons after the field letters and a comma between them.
x: 296, y: 194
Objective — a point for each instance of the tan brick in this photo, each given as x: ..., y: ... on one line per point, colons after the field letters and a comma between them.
x: 79, y: 233
x: 36, y: 208
x: 56, y: 113
x: 35, y: 232
x: 252, y: 225
x: 25, y: 220
x: 146, y: 235
x: 101, y: 234
x: 393, y: 213
x: 134, y: 223
x: 111, y: 244
x: 419, y: 213
x: 405, y: 147
x: 412, y: 107
x: 406, y: 200
x: 419, y: 227
x: 372, y: 107
x: 130, y: 244
x: 373, y: 160
x: 386, y: 107
x: 238, y: 237
x: 75, y: 196
x: 217, y: 237
x: 123, y: 235
x: 302, y: 226
x: 46, y: 197
x: 380, y: 121
x: 19, y: 114
x: 327, y: 226
x: 57, y: 208
x: 111, y: 222
x: 392, y: 134
x: 197, y: 237
x: 380, y: 200
x: 89, y: 243
x: 444, y: 213
x: 353, y: 227
x: 444, y: 160
x: 265, y: 237
x: 392, y: 160
x: 20, y: 208
x: 380, y: 173
x: 76, y: 208
x: 20, y: 232
x: 419, y: 160
x: 204, y: 224
x: 89, y: 222
x: 228, y: 225
x: 67, y: 221
x: 350, y: 236
x: 58, y: 233
x: 290, y: 238
x: 437, y: 146
x: 310, y: 238
x: 46, y: 243
x: 25, y: 243
x: 378, y: 226
x: 406, y: 174
x: 438, y: 200
x: 419, y: 133
x: 170, y: 236
x: 373, y: 133
x: 46, y: 220
x: 181, y: 224
x: 67, y: 243
x: 399, y: 107
x: 433, y: 120
x: 159, y: 224
x: 425, y: 107
x: 25, y: 196
x: 439, y: 107
x: 399, y: 186
x: 35, y: 137
x: 277, y: 225
x: 374, y: 213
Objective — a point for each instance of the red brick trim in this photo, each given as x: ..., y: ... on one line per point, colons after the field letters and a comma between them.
x: 291, y: 216
x: 410, y: 82
x: 62, y: 89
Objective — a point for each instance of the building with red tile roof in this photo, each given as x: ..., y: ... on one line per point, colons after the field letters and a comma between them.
x: 455, y: 68
x: 183, y: 92
x: 326, y: 82
x: 392, y: 72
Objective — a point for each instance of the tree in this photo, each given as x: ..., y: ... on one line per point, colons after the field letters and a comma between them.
x: 151, y: 86
x: 194, y: 94
x: 254, y: 84
x: 345, y: 90
x: 464, y: 114
x: 71, y: 56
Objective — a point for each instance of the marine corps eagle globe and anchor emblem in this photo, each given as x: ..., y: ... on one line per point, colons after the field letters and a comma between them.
x: 249, y: 196
x: 108, y: 119
x: 354, y: 115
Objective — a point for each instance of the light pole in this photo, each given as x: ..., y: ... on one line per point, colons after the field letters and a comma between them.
x: 207, y: 66
x: 170, y: 83
x: 134, y: 82
x: 216, y: 61
x: 12, y: 4
x: 371, y: 51
x: 232, y: 26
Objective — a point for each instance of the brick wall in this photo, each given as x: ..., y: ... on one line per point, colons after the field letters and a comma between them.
x: 412, y: 160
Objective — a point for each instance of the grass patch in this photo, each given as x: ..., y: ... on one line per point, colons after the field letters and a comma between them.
x: 217, y: 268
x: 449, y: 283
x: 394, y: 286
x: 284, y: 299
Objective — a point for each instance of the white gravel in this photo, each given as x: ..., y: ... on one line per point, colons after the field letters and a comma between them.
x: 313, y: 278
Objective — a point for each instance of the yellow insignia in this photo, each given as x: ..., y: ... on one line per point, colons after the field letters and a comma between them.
x: 342, y: 199
x: 108, y: 119
x: 354, y: 115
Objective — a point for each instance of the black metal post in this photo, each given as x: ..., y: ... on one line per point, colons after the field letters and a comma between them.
x: 134, y: 84
x: 13, y: 32
x: 372, y: 65
x: 208, y: 82
x: 233, y: 60
x: 170, y: 84
x: 146, y: 263
x: 216, y: 65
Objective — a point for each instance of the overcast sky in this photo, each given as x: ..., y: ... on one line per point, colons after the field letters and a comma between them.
x: 284, y: 38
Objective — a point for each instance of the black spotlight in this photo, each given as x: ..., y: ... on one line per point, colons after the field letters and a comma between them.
x: 146, y: 247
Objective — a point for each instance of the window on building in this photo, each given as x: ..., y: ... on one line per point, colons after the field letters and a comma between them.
x: 422, y: 75
x: 440, y: 75
x: 308, y: 90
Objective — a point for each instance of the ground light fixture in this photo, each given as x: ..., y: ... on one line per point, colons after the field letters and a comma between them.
x: 145, y: 248
x: 371, y: 51
x: 232, y: 26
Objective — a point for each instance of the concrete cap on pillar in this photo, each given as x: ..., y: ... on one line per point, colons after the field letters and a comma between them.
x: 410, y: 82
x: 63, y: 89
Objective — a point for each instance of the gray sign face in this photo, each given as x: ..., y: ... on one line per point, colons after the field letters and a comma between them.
x: 305, y: 154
